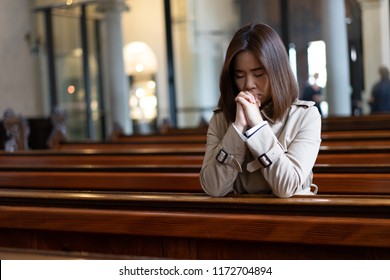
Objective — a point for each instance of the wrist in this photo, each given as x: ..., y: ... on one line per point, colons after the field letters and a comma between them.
x: 241, y: 128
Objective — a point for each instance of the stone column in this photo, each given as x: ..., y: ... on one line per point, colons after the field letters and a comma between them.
x: 216, y: 22
x: 117, y: 84
x: 376, y: 42
x: 338, y: 89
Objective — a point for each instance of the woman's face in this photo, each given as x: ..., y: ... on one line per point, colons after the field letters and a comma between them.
x: 250, y: 76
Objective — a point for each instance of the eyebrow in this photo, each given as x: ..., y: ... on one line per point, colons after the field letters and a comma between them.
x: 252, y: 70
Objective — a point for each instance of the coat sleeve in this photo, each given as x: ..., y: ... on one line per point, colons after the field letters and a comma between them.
x: 223, y: 142
x: 292, y: 165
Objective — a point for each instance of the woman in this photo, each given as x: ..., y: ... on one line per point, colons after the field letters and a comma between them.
x: 261, y: 139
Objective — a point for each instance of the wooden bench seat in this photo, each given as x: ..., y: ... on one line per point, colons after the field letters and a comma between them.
x: 195, y: 226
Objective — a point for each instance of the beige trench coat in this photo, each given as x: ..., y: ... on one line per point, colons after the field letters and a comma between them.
x: 278, y: 158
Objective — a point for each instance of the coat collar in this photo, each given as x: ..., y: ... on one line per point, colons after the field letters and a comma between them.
x: 266, y: 111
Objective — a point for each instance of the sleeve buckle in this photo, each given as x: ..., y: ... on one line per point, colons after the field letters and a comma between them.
x: 221, y: 157
x: 264, y: 160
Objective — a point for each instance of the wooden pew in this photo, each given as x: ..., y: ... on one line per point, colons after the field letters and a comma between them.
x: 162, y: 138
x: 349, y: 155
x: 114, y: 168
x: 331, y: 179
x: 339, y: 187
x: 345, y: 135
x: 331, y: 123
x: 187, y: 130
x: 355, y: 134
x: 353, y: 155
x: 374, y: 123
x: 352, y: 179
x: 353, y: 158
x: 179, y: 178
x: 338, y: 179
x: 357, y: 142
x: 331, y: 137
x: 366, y: 122
x: 123, y: 146
x: 195, y: 226
x: 7, y: 253
x: 96, y: 157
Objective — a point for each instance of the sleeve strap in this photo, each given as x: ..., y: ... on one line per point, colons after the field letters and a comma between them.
x: 266, y: 159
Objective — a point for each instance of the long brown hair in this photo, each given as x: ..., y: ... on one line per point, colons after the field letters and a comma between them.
x: 266, y: 44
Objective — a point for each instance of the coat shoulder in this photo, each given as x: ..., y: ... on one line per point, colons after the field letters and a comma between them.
x: 303, y: 103
x: 305, y: 108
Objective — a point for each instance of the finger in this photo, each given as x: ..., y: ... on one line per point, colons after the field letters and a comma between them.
x: 258, y: 102
x: 247, y: 96
x: 242, y: 100
x: 250, y: 97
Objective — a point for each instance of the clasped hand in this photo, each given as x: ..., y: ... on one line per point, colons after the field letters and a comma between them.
x: 248, y: 111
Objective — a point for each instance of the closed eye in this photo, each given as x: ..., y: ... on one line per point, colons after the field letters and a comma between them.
x: 258, y: 72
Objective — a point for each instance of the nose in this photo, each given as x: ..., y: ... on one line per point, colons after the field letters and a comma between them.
x: 249, y: 83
